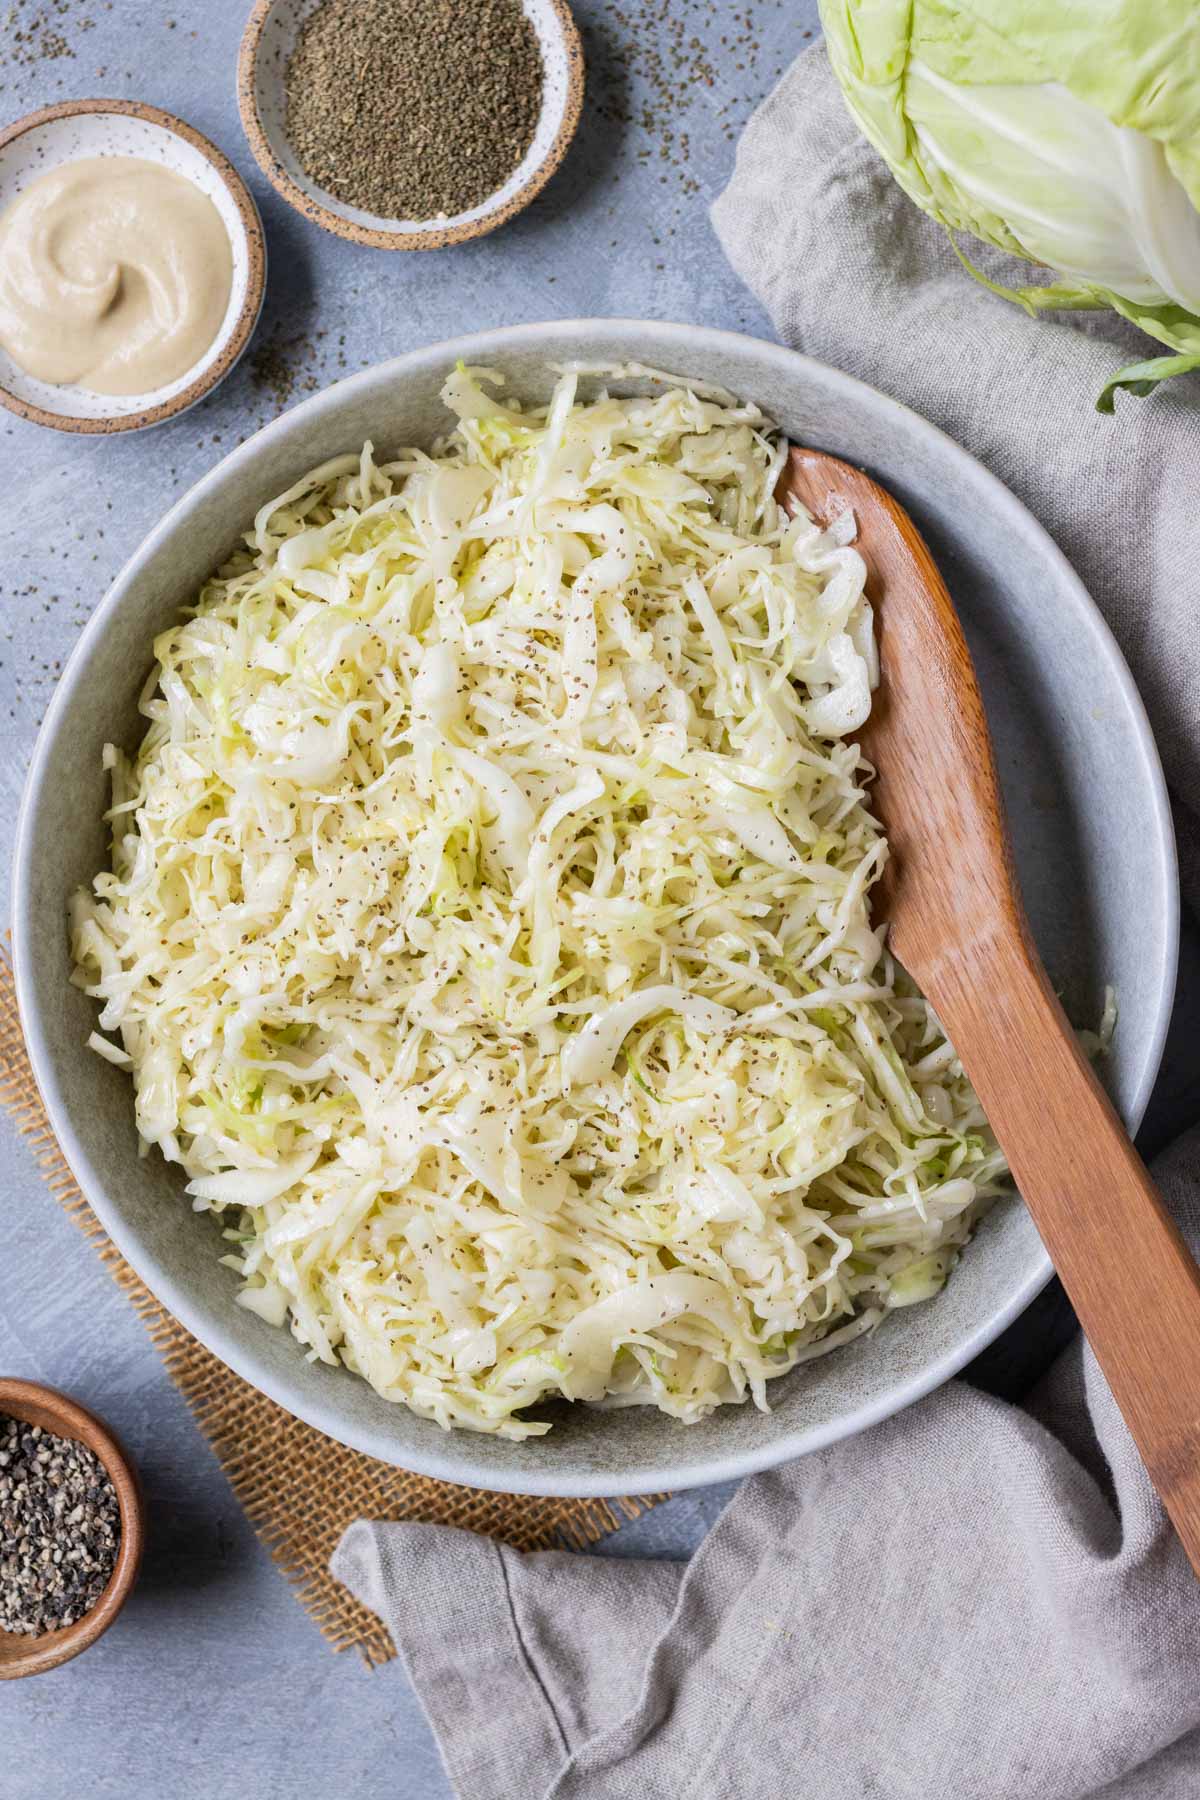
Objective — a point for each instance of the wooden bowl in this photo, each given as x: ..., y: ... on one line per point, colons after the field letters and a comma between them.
x: 34, y: 1404
x: 267, y: 45
x: 72, y: 129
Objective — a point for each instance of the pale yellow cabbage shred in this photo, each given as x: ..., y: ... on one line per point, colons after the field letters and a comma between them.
x: 488, y: 931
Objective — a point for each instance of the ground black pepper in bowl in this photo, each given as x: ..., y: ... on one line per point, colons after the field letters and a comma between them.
x: 60, y: 1529
x: 414, y: 109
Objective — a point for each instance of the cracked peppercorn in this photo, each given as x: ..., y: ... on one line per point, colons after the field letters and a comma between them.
x: 60, y: 1529
x: 414, y: 109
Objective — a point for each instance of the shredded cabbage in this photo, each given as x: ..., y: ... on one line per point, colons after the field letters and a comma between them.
x: 1067, y: 134
x: 488, y: 922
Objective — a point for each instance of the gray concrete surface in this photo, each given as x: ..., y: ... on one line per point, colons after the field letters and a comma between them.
x: 214, y: 1683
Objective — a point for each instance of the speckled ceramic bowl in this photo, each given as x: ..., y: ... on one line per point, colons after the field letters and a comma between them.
x: 78, y: 128
x: 34, y: 1404
x: 267, y: 45
x: 1085, y: 794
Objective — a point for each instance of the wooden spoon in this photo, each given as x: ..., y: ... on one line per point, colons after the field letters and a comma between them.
x: 959, y: 927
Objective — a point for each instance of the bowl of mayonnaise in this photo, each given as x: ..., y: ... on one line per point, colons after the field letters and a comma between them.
x: 132, y: 266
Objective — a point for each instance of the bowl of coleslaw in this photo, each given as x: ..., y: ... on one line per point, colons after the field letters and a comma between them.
x: 451, y: 820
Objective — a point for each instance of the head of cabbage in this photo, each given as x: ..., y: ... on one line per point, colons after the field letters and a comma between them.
x: 1064, y: 131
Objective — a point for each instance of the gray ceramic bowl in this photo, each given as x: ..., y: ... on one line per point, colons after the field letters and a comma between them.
x: 1089, y: 816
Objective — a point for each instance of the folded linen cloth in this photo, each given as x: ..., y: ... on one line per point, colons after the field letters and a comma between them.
x: 971, y: 1600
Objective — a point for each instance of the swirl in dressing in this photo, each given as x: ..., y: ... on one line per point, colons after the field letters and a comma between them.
x: 115, y: 275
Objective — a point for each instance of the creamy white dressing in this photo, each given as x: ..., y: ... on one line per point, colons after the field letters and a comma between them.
x: 115, y: 274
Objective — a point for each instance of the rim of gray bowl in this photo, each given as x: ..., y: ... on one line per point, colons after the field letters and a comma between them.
x: 649, y: 1477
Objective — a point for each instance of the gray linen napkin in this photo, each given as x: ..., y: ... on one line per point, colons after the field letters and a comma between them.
x: 969, y: 1601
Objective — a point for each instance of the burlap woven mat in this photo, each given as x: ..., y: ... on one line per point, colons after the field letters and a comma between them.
x: 299, y: 1489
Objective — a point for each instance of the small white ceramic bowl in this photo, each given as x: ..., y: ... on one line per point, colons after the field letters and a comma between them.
x: 77, y: 128
x: 267, y: 45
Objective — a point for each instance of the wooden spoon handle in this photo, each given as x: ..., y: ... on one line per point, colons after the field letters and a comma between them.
x: 958, y: 926
x: 1122, y: 1260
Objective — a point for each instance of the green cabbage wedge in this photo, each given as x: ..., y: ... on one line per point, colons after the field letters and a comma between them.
x: 1065, y: 133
